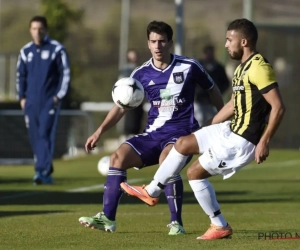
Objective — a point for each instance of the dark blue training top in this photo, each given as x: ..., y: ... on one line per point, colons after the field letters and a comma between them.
x: 42, y: 71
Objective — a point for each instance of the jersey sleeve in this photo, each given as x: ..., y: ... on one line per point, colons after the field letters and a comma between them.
x: 201, y: 77
x: 136, y: 74
x: 262, y: 75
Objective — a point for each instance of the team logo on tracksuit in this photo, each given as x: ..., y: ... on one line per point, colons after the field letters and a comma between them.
x: 30, y: 57
x: 45, y: 54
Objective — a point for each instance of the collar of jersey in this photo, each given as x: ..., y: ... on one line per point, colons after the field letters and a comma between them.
x: 249, y: 58
x: 46, y: 40
x: 154, y: 67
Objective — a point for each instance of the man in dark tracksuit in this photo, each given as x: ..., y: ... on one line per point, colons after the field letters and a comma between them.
x: 43, y: 77
x: 203, y: 108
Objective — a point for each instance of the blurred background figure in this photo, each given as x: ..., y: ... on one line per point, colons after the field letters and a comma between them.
x: 43, y: 77
x: 132, y: 121
x: 204, y: 110
x: 132, y: 63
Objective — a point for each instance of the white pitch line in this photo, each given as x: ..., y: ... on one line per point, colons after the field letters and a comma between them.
x: 101, y: 186
x: 19, y: 195
x: 78, y: 190
x: 273, y: 164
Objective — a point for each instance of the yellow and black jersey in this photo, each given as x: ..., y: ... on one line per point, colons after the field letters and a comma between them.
x: 252, y: 78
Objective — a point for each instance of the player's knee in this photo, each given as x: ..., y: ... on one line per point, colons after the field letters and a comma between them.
x: 191, y: 173
x: 115, y: 160
x: 185, y: 145
x: 181, y: 145
x: 197, y: 172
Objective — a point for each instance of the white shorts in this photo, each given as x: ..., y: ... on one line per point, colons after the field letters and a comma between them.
x: 222, y: 151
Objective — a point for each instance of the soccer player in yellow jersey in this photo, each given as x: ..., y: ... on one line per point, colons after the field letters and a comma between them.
x: 255, y: 109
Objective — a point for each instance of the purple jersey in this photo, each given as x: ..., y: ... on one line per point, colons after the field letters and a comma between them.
x: 171, y: 93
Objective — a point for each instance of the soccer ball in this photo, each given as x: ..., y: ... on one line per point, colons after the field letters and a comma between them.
x: 128, y: 93
x: 103, y: 165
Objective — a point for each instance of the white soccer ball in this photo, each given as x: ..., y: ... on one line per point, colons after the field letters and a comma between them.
x: 103, y: 165
x: 128, y: 93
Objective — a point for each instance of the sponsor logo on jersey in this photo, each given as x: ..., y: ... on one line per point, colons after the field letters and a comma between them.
x: 165, y: 94
x: 168, y: 103
x: 156, y: 103
x: 178, y: 77
x: 238, y: 88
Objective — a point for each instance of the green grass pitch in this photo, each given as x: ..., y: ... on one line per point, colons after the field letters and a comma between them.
x: 257, y: 201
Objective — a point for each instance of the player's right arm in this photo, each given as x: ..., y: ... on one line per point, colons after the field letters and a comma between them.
x: 112, y: 118
x: 21, y: 79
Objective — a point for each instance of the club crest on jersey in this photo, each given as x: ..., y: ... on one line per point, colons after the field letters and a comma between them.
x: 178, y: 77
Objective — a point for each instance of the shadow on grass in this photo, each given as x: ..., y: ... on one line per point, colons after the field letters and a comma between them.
x: 59, y: 181
x: 13, y: 181
x: 18, y: 213
x: 257, y: 181
x: 39, y: 197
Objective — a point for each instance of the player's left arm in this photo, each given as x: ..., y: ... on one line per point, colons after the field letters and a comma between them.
x: 64, y: 74
x: 264, y: 78
x: 273, y: 97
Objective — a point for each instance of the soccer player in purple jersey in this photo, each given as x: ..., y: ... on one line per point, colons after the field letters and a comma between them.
x: 169, y: 82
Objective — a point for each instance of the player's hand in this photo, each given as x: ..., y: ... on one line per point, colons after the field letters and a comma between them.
x: 261, y: 152
x: 22, y: 103
x: 55, y: 99
x: 91, y: 142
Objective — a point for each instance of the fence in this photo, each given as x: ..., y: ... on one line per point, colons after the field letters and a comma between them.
x: 8, y: 63
x: 74, y: 126
x: 278, y: 43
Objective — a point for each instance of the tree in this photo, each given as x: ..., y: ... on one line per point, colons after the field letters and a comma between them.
x: 59, y: 16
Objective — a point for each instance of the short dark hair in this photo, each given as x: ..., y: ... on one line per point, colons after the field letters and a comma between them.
x: 40, y: 19
x: 160, y: 28
x: 246, y: 28
x: 208, y: 48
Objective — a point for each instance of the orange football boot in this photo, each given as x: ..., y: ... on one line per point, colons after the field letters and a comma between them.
x: 140, y: 193
x: 216, y: 232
